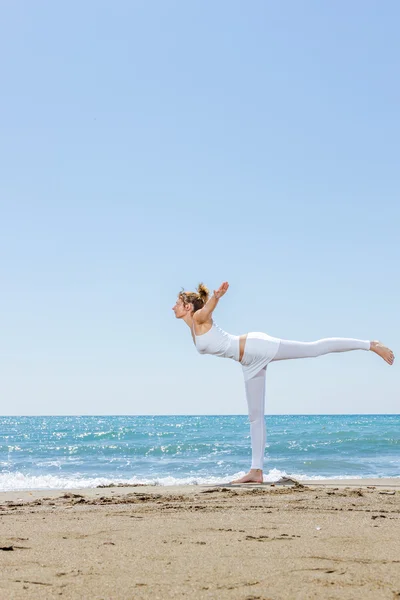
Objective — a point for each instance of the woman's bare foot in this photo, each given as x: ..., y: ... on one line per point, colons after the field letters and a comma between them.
x: 382, y: 351
x: 253, y: 476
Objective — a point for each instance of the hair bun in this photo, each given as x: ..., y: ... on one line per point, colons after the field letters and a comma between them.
x: 203, y: 292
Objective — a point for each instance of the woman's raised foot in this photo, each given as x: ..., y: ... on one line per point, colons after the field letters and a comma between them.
x: 382, y: 351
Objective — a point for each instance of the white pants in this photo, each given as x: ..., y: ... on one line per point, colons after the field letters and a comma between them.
x: 255, y: 387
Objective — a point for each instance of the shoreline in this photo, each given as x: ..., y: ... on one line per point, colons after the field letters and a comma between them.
x: 390, y: 483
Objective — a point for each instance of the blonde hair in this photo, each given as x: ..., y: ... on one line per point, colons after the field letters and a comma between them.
x: 198, y: 299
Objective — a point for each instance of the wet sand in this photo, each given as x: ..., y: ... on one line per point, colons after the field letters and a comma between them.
x: 335, y: 539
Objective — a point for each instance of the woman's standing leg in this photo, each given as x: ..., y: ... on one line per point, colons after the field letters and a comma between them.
x: 255, y: 396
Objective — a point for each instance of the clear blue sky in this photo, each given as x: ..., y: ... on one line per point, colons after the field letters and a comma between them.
x: 147, y: 146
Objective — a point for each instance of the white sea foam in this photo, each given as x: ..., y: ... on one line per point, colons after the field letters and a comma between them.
x: 18, y: 481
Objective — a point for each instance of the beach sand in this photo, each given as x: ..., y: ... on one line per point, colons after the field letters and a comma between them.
x: 319, y: 540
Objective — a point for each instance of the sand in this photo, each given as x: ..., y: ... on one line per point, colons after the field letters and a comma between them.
x: 336, y: 539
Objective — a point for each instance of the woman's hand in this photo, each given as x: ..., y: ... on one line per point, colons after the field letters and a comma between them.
x: 204, y: 314
x: 221, y: 290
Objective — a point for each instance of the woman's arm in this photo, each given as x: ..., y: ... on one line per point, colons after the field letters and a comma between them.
x: 204, y: 314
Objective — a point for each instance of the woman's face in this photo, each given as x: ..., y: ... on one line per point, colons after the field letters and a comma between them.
x: 180, y: 309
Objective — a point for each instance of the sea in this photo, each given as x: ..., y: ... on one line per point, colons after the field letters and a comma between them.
x: 59, y: 452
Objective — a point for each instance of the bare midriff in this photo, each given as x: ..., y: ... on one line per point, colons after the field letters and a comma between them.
x: 242, y: 345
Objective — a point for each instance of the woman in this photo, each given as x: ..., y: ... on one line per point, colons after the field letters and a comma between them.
x: 254, y: 351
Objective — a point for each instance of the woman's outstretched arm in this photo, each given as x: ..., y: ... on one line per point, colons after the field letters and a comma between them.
x: 204, y: 314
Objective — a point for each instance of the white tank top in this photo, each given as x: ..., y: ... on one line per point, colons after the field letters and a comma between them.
x: 217, y: 342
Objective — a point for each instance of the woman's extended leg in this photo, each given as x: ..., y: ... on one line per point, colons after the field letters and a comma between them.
x: 255, y: 395
x: 289, y: 349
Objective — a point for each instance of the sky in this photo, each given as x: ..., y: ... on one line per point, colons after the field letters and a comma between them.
x: 147, y: 146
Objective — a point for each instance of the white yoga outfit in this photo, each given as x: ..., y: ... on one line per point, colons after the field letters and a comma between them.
x: 261, y: 349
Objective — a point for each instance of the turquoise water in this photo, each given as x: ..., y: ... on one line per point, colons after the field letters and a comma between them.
x: 85, y: 451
